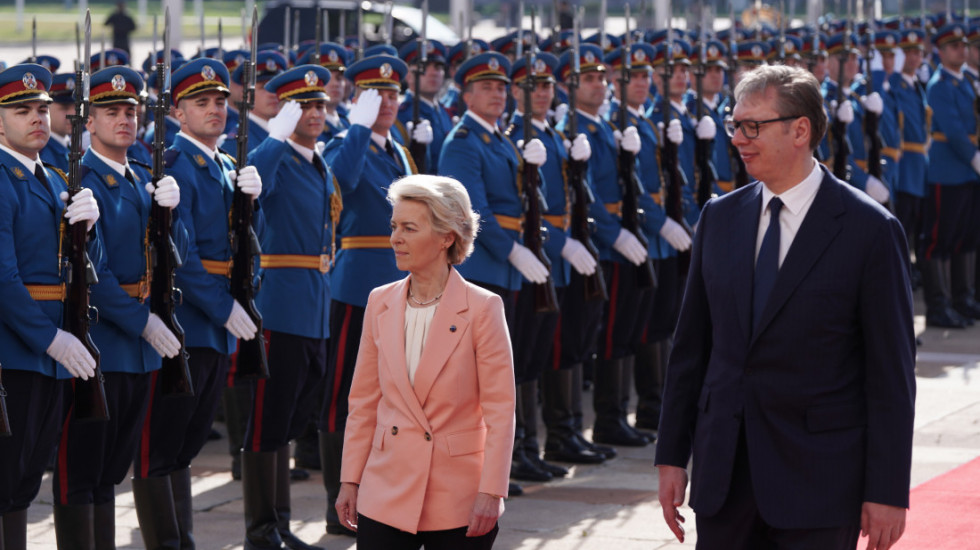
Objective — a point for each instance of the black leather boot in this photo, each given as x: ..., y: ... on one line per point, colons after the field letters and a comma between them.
x: 259, y: 492
x: 157, y: 515
x: 236, y: 400
x: 648, y: 380
x: 14, y: 530
x: 935, y: 287
x: 604, y: 451
x: 562, y: 444
x: 183, y: 506
x: 610, y: 417
x: 283, y: 506
x: 531, y: 449
x: 105, y: 526
x: 626, y: 392
x: 521, y: 466
x: 331, y: 450
x: 963, y: 275
x: 74, y: 526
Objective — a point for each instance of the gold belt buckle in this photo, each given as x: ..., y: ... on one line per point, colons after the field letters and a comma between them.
x: 324, y: 263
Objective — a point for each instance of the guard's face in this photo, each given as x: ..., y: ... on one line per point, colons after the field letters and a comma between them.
x: 25, y: 127
x: 310, y: 123
x: 336, y: 89
x: 487, y: 98
x: 417, y: 245
x: 202, y: 115
x: 59, y: 112
x: 266, y: 103
x: 678, y: 83
x: 714, y: 80
x: 541, y: 98
x: 591, y: 90
x: 387, y: 113
x: 953, y: 54
x: 638, y: 89
x: 432, y: 79
x: 913, y: 60
x: 820, y: 68
x: 888, y: 61
x: 113, y: 126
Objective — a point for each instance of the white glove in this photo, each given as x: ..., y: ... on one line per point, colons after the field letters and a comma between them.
x: 239, y: 324
x: 82, y: 207
x: 873, y: 103
x: 528, y: 264
x: 675, y: 235
x: 167, y: 193
x: 844, y: 113
x: 706, y: 128
x: 249, y: 181
x: 422, y: 134
x: 560, y: 112
x: 580, y: 149
x: 576, y: 254
x: 283, y: 125
x: 534, y: 153
x: 975, y: 163
x: 876, y: 190
x: 365, y: 111
x: 160, y: 337
x: 629, y: 246
x: 603, y: 109
x: 923, y: 73
x: 629, y: 140
x: 320, y: 147
x: 71, y: 353
x: 675, y: 133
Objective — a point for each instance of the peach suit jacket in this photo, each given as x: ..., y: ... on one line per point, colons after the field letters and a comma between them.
x: 421, y: 454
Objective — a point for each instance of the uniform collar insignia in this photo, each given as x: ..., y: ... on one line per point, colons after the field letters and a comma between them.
x: 200, y: 160
x: 486, y: 137
x: 111, y: 180
x: 18, y: 172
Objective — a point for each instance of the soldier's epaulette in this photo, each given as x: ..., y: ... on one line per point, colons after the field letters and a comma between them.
x: 234, y: 161
x: 59, y: 171
x: 170, y: 157
x: 611, y: 125
x: 510, y: 129
x: 139, y: 163
x: 461, y: 133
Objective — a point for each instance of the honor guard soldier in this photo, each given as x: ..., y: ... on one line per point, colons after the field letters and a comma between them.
x: 435, y: 121
x: 177, y: 427
x: 490, y: 166
x: 712, y: 84
x: 658, y: 311
x: 885, y: 43
x: 94, y: 457
x: 35, y: 353
x: 452, y: 99
x: 845, y: 111
x: 268, y: 65
x: 619, y: 253
x: 951, y: 209
x: 364, y: 160
x: 909, y: 94
x: 334, y: 58
x: 62, y: 106
x: 533, y: 332
x: 295, y: 299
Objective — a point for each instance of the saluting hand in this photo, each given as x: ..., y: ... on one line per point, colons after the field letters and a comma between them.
x: 283, y: 124
x: 365, y: 109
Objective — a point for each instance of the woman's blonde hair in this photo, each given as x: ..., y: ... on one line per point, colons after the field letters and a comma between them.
x: 449, y: 209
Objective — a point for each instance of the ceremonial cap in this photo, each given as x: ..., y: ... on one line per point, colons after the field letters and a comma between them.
x: 714, y: 54
x: 508, y: 43
x: 49, y: 62
x: 974, y: 35
x: 752, y: 52
x: 24, y: 82
x: 557, y: 44
x: 947, y: 34
x: 589, y: 60
x: 543, y: 67
x: 681, y: 52
x: 197, y: 76
x: 151, y: 80
x: 912, y: 39
x: 381, y: 72
x: 458, y: 52
x: 211, y: 52
x: 435, y: 51
x: 886, y: 40
x: 113, y: 57
x: 234, y: 58
x: 152, y: 59
x: 332, y: 56
x: 486, y: 66
x: 115, y: 85
x: 273, y: 46
x: 62, y: 88
x: 379, y: 49
x: 835, y: 44
x: 815, y: 45
x: 641, y: 57
x: 791, y: 48
x: 302, y: 83
x: 606, y: 41
x: 269, y: 64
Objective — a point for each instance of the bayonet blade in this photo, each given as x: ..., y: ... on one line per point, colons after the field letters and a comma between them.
x: 221, y: 50
x: 316, y: 36
x: 34, y: 40
x: 254, y: 39
x: 165, y: 85
x: 286, y: 34
x: 87, y: 60
x: 424, y: 46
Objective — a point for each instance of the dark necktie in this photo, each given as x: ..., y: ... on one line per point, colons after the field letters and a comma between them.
x: 129, y: 177
x: 318, y: 163
x: 42, y: 177
x: 767, y: 265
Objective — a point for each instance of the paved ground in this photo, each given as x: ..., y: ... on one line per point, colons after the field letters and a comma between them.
x: 613, y: 505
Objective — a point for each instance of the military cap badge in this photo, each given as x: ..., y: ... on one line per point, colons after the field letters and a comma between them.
x: 30, y: 82
x: 208, y: 72
x: 310, y: 78
x: 385, y: 70
x: 118, y: 83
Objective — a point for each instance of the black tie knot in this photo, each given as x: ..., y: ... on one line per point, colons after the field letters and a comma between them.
x: 775, y: 205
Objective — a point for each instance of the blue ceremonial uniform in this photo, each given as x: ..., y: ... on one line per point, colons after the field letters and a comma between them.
x: 720, y: 146
x: 438, y: 117
x: 173, y: 126
x: 685, y: 155
x: 330, y: 129
x: 954, y: 128
x: 256, y: 135
x: 55, y: 154
x: 231, y: 120
x: 888, y: 129
x: 910, y: 101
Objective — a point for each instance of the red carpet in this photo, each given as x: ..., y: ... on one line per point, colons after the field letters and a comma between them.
x: 944, y: 513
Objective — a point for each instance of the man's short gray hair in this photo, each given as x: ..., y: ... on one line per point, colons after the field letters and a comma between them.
x: 797, y: 94
x: 449, y: 209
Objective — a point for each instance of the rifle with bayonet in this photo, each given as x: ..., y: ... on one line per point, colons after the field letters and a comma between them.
x: 703, y: 148
x: 545, y: 296
x: 245, y: 249
x: 871, y: 134
x: 739, y: 174
x: 90, y: 398
x: 33, y: 58
x: 581, y: 196
x: 175, y: 373
x: 838, y: 129
x: 673, y: 180
x: 629, y: 185
x: 418, y: 150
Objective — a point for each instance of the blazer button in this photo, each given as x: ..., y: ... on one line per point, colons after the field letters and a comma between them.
x: 394, y: 430
x: 428, y: 437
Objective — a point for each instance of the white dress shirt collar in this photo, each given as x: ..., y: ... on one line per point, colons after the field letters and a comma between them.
x: 303, y: 151
x: 211, y: 153
x: 28, y: 162
x: 118, y: 168
x: 488, y: 126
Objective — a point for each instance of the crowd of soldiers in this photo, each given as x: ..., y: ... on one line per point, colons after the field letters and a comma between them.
x: 612, y: 141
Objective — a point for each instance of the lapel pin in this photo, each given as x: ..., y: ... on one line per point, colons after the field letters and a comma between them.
x: 452, y: 328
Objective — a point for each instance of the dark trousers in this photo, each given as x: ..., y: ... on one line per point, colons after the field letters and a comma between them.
x: 283, y: 403
x: 34, y: 410
x: 374, y: 535
x: 738, y: 525
x: 532, y: 336
x: 621, y: 323
x: 946, y: 216
x: 346, y: 323
x: 908, y: 210
x: 665, y: 302
x: 176, y: 428
x: 93, y: 457
x: 578, y: 326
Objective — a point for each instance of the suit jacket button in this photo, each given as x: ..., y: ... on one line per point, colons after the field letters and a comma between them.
x: 428, y: 437
x: 394, y: 430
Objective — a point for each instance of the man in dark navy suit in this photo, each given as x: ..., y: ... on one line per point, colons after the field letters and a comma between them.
x: 791, y: 379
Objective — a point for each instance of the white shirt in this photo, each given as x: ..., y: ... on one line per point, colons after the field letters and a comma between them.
x: 262, y: 123
x: 210, y: 153
x: 492, y: 128
x: 379, y: 140
x: 303, y: 151
x: 417, y: 321
x: 796, y: 203
x: 65, y: 141
x: 116, y: 167
x: 29, y: 163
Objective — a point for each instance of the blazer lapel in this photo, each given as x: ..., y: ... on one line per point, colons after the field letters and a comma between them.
x: 818, y: 230
x: 391, y: 324
x: 445, y: 333
x: 743, y: 272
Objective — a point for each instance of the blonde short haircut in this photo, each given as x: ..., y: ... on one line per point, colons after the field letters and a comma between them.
x: 449, y: 209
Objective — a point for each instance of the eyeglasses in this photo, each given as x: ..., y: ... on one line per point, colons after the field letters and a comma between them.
x: 750, y: 128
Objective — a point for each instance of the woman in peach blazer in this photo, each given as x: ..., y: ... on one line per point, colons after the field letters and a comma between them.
x: 431, y: 425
